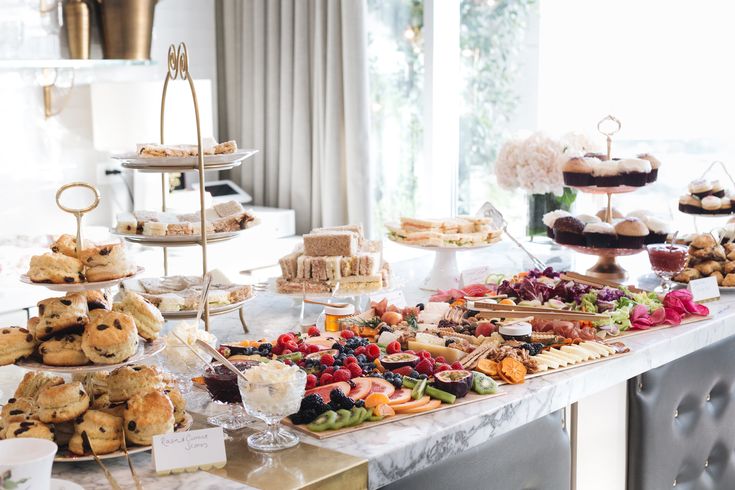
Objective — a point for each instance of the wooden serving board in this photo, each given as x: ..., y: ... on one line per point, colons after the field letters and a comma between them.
x: 632, y: 333
x: 573, y: 366
x: 471, y: 397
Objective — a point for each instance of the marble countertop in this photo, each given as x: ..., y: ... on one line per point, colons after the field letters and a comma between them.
x: 398, y: 449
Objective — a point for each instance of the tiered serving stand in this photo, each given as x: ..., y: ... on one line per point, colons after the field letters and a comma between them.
x: 718, y: 215
x: 145, y: 349
x: 607, y: 266
x: 178, y: 68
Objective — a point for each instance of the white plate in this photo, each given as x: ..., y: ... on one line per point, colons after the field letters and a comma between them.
x: 213, y: 310
x: 180, y: 164
x: 145, y: 350
x: 273, y: 289
x: 445, y: 249
x: 177, y: 240
x: 79, y: 286
x: 65, y: 456
x: 57, y: 484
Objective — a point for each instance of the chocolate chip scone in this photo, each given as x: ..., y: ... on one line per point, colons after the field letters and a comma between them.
x: 62, y: 403
x: 110, y: 338
x: 56, y: 268
x: 63, y: 350
x: 148, y: 415
x: 105, y: 433
x: 67, y: 314
x: 15, y: 343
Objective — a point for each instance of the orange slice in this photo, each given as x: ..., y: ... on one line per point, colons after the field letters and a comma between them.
x: 506, y: 301
x: 412, y: 404
x: 433, y: 404
x: 375, y: 399
x: 384, y: 410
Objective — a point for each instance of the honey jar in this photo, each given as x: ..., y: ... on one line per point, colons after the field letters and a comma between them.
x: 334, y: 314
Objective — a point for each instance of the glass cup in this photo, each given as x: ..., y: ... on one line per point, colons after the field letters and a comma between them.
x: 222, y: 387
x: 271, y: 402
x: 667, y: 260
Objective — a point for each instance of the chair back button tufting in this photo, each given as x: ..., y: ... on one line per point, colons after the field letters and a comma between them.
x: 676, y: 413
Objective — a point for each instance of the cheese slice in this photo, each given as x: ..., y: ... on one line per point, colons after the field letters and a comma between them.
x: 573, y: 351
x: 559, y: 357
x: 593, y: 354
x: 547, y: 360
x: 603, y: 349
x: 573, y: 359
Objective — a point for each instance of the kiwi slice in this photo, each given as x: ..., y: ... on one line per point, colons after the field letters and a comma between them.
x: 343, y: 418
x: 372, y: 417
x: 482, y: 384
x: 358, y: 414
x: 323, y: 422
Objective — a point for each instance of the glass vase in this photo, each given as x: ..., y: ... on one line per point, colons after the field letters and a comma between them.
x: 540, y: 204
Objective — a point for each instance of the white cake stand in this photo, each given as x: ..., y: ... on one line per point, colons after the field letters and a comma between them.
x: 444, y: 273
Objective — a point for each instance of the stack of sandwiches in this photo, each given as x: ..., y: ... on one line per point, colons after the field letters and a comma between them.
x: 223, y: 217
x: 334, y: 259
x: 462, y: 231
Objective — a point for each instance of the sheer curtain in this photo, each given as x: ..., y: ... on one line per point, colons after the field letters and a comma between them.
x: 293, y: 83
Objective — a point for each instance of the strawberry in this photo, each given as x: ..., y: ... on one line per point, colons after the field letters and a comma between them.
x: 314, y: 331
x: 441, y: 367
x: 457, y: 365
x: 355, y: 370
x: 342, y: 374
x: 393, y: 347
x: 350, y: 360
x: 425, y: 367
x: 312, y: 348
x: 327, y: 360
x: 373, y: 351
x: 310, y: 381
x: 325, y: 379
x: 441, y: 360
x: 282, y: 339
x: 347, y: 334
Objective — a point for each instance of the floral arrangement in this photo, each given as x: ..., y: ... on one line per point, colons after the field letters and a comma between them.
x: 534, y: 164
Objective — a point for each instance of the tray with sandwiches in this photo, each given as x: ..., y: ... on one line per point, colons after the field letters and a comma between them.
x: 152, y: 157
x: 455, y: 233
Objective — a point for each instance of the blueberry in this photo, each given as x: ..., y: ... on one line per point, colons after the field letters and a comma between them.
x: 420, y: 306
x: 322, y: 367
x: 362, y: 358
x: 423, y: 376
x: 349, y: 352
x: 337, y: 346
x: 414, y: 374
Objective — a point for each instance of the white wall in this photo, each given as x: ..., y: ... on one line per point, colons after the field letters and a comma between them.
x: 41, y: 154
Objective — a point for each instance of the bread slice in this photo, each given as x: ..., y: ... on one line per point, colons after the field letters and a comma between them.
x: 330, y: 244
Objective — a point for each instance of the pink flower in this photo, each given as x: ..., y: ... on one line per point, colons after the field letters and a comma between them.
x: 681, y: 301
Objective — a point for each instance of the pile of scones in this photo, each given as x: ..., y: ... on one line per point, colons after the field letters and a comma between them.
x: 136, y: 402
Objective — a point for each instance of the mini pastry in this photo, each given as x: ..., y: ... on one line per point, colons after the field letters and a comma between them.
x: 568, y: 230
x: 228, y: 208
x: 29, y: 428
x: 631, y: 233
x: 719, y: 277
x: 128, y: 381
x: 607, y: 174
x: 15, y: 343
x: 725, y: 205
x: 110, y: 338
x: 63, y: 350
x: 711, y: 205
x: 655, y: 165
x: 146, y: 416
x: 154, y: 228
x: 717, y: 189
x: 634, y: 171
x: 704, y: 240
x: 96, y: 299
x: 34, y: 382
x: 577, y: 172
x: 55, y: 269
x: 729, y: 268
x: 61, y: 315
x: 729, y: 280
x: 62, y: 403
x: 700, y: 188
x: 588, y: 218
x: 551, y: 217
x: 688, y: 274
x: 178, y: 402
x: 105, y: 433
x: 127, y: 224
x: 615, y: 214
x: 65, y: 244
x: 709, y: 267
x: 107, y: 262
x: 600, y: 235
x: 690, y: 204
x: 641, y: 214
x: 225, y: 147
x: 658, y: 230
x: 148, y: 319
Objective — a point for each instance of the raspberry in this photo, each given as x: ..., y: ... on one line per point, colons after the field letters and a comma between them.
x: 350, y: 360
x: 286, y: 352
x: 347, y: 334
x: 312, y: 348
x: 441, y: 367
x: 424, y: 354
x: 310, y: 381
x: 327, y: 360
x: 373, y: 351
x: 314, y: 331
x: 393, y: 347
x: 355, y: 370
x: 303, y: 348
x: 325, y: 379
x: 342, y: 375
x: 282, y: 339
x: 291, y: 345
x: 277, y: 349
x: 457, y: 365
x: 404, y: 371
x: 425, y: 367
x: 330, y: 370
x: 441, y: 360
x: 360, y: 350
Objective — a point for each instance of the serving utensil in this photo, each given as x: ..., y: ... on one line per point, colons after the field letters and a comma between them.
x: 204, y: 297
x: 489, y: 211
x: 138, y: 483
x: 479, y: 306
x: 111, y: 479
x: 549, y: 315
x: 215, y: 353
x: 196, y: 352
x: 320, y: 303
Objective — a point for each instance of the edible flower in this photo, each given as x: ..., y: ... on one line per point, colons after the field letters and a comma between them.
x: 680, y: 304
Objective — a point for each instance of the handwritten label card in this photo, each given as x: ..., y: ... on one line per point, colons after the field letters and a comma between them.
x: 189, y: 451
x: 704, y: 289
x: 394, y: 298
x: 477, y: 275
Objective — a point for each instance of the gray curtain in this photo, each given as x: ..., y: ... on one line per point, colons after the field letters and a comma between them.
x: 293, y: 83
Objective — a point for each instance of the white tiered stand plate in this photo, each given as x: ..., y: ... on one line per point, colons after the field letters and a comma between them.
x: 182, y: 164
x: 79, y: 286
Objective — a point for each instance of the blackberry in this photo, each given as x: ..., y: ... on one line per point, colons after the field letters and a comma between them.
x: 385, y: 328
x: 420, y: 306
x: 312, y: 401
x: 265, y: 348
x: 311, y: 407
x: 339, y: 400
x: 360, y: 403
x: 337, y: 346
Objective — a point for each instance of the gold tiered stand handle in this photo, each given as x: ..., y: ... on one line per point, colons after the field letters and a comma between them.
x: 178, y: 69
x: 614, y: 125
x: 78, y: 213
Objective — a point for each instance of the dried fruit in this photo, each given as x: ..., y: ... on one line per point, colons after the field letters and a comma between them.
x: 488, y: 367
x: 512, y: 371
